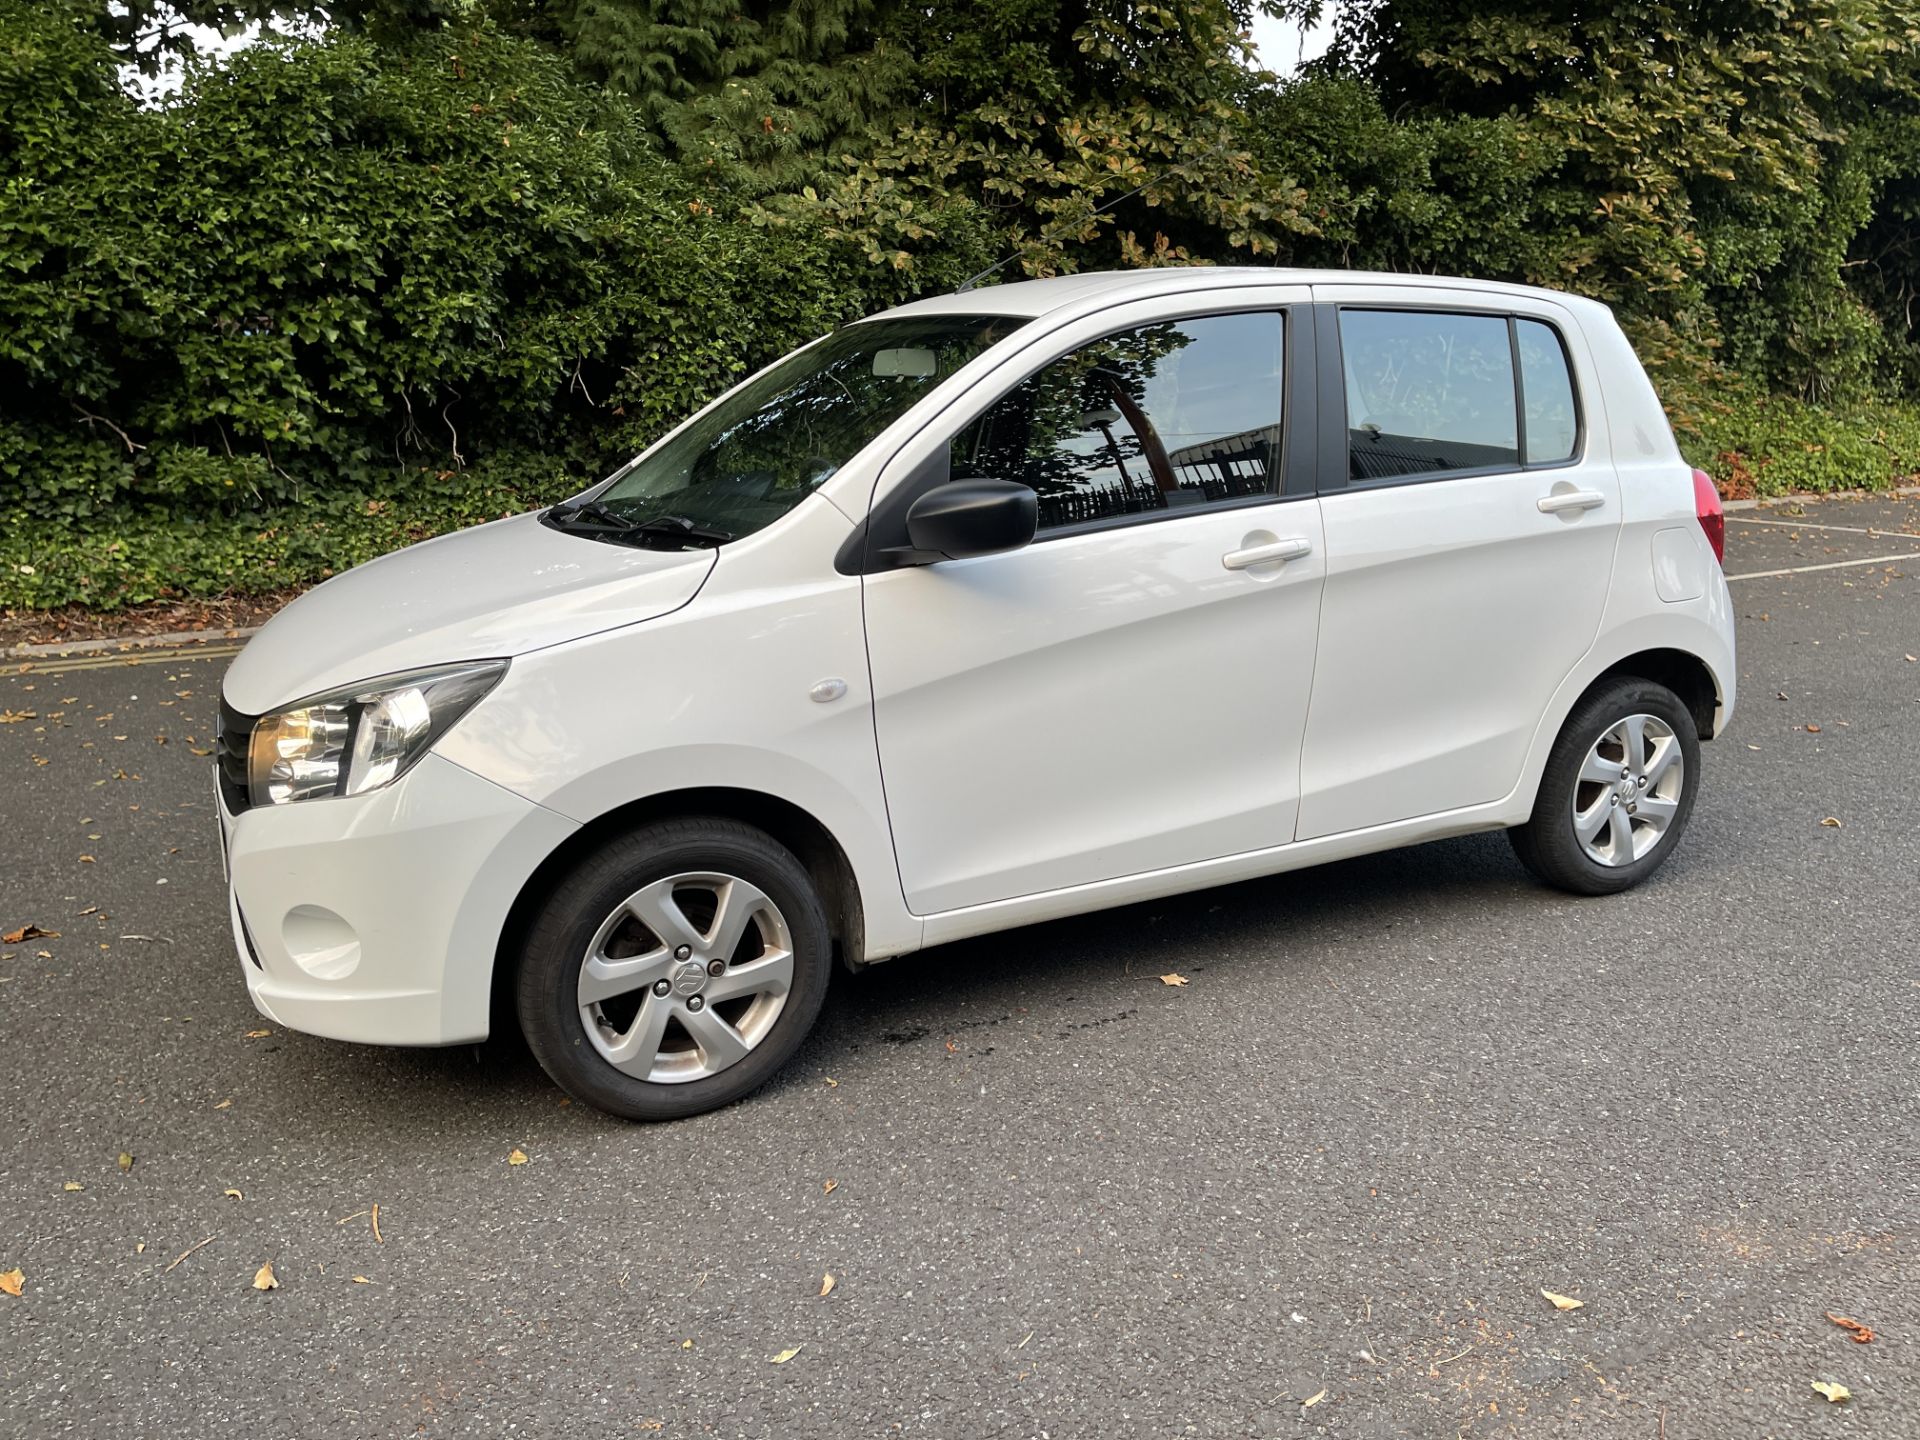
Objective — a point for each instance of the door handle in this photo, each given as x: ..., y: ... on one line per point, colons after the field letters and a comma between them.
x: 1292, y: 548
x: 1561, y: 500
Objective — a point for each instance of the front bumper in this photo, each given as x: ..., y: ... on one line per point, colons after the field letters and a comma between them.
x: 376, y: 917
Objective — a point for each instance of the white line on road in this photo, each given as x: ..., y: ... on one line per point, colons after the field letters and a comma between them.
x: 1835, y: 565
x: 1804, y: 525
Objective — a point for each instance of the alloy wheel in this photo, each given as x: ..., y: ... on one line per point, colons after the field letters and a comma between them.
x: 1628, y: 790
x: 686, y: 977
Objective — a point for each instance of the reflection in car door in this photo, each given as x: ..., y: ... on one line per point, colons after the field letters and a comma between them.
x: 1128, y: 692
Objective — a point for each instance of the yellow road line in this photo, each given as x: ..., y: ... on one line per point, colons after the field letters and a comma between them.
x: 156, y: 656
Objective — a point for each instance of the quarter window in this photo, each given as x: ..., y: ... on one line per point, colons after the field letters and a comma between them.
x: 1164, y: 417
x: 1553, y: 425
x: 1427, y: 393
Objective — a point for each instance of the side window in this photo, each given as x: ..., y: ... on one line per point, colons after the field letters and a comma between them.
x: 1163, y: 417
x: 1427, y: 393
x: 1553, y: 425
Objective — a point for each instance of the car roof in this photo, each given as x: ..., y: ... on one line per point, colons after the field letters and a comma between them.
x: 1095, y: 289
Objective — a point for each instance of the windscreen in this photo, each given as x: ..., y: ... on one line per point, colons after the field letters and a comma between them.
x: 765, y: 448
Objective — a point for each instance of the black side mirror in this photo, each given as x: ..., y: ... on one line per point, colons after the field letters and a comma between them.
x: 973, y: 517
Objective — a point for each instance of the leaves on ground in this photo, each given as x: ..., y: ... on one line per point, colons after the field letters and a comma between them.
x: 786, y: 1355
x: 826, y: 1285
x: 1563, y: 1302
x: 1858, y: 1333
x: 1173, y: 978
x: 72, y: 1185
x: 1836, y: 1394
x: 13, y: 1281
x: 1832, y: 822
x: 26, y: 933
x: 265, y: 1279
x: 232, y: 1194
x: 828, y: 1187
x: 516, y: 1156
x: 258, y: 1034
x: 1313, y: 1399
x: 125, y: 1161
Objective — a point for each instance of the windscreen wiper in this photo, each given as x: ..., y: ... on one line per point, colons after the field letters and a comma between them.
x: 590, y: 510
x: 679, y: 527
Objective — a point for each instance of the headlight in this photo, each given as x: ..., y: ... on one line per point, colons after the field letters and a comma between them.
x: 360, y: 738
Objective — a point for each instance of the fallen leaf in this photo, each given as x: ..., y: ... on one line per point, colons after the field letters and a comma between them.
x: 1563, y: 1302
x: 832, y: 1084
x: 28, y: 932
x: 826, y: 1285
x: 517, y: 1157
x: 258, y: 1034
x: 1912, y: 661
x: 361, y: 1280
x: 1835, y: 1393
x: 13, y: 1282
x: 233, y: 1194
x: 224, y: 1103
x: 829, y: 1187
x: 1831, y: 822
x: 1858, y: 1333
x: 686, y: 1344
x: 1813, y: 729
x: 1175, y: 978
x: 72, y: 1185
x: 141, y: 1248
x: 265, y: 1279
x: 377, y: 1239
x: 126, y: 1161
x: 786, y: 1355
x: 1313, y: 1399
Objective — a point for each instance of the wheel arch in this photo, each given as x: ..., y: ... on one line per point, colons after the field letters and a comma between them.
x: 811, y: 842
x: 1682, y: 672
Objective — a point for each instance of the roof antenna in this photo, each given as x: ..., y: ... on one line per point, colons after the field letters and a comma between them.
x: 1014, y: 254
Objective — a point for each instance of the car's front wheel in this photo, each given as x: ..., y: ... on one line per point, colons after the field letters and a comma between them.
x: 675, y: 970
x: 1616, y: 792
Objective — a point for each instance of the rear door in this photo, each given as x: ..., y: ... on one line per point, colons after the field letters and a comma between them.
x: 1471, y: 512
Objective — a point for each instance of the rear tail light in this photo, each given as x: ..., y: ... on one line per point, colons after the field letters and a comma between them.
x: 1706, y: 509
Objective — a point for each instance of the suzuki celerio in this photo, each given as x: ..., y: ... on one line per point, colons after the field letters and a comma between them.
x: 997, y: 607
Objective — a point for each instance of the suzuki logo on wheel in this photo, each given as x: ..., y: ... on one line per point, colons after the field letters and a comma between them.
x: 688, y: 979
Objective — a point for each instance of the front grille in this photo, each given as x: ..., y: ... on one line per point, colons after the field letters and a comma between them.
x: 230, y: 756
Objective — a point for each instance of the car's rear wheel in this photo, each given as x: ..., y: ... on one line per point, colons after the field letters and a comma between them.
x: 1616, y: 792
x: 675, y: 970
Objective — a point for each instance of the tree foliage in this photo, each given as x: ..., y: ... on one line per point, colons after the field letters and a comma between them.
x: 442, y: 254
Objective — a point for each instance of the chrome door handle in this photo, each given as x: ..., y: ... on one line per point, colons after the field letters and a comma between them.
x: 1292, y: 548
x: 1569, y: 500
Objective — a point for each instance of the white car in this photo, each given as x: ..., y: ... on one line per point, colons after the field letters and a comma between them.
x: 997, y: 607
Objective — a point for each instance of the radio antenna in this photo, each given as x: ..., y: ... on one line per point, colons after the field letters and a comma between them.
x: 1015, y: 253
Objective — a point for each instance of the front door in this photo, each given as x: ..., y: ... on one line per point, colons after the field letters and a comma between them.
x: 1128, y: 692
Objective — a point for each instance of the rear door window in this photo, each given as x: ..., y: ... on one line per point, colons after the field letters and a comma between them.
x: 1428, y: 394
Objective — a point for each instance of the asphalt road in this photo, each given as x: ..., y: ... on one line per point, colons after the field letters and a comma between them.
x: 1318, y: 1190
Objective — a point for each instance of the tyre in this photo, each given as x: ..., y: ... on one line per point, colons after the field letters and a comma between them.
x: 675, y: 970
x: 1617, y: 790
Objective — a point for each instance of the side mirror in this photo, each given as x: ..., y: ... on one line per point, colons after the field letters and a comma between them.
x: 973, y: 517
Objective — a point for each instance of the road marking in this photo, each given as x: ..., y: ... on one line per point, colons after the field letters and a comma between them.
x: 1850, y: 529
x: 1835, y: 565
x: 108, y: 662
